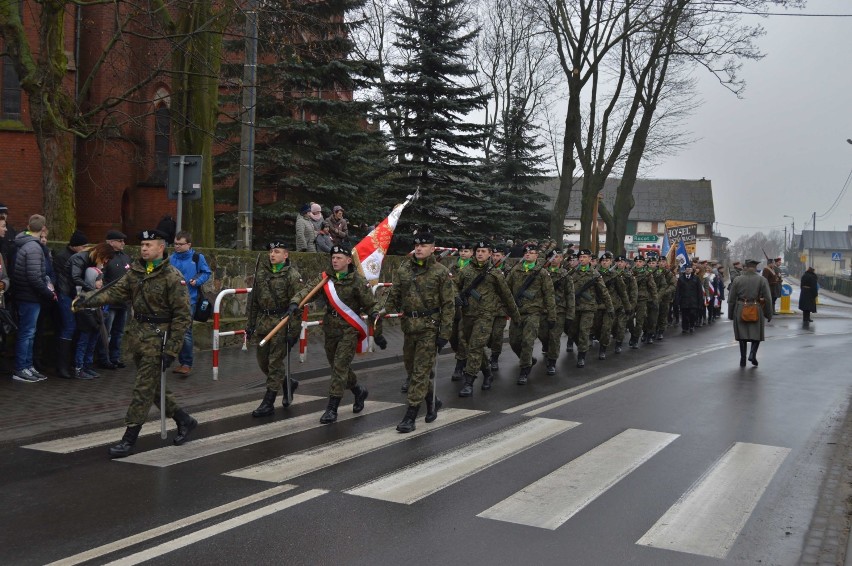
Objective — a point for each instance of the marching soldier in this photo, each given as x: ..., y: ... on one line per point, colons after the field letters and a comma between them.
x: 750, y: 295
x: 482, y: 290
x: 619, y: 325
x: 589, y: 292
x: 457, y: 342
x: 423, y: 291
x: 155, y: 336
x: 563, y: 290
x: 666, y: 282
x: 498, y: 327
x: 650, y: 328
x: 275, y: 281
x: 533, y: 292
x: 347, y: 296
x: 617, y: 289
x: 646, y: 293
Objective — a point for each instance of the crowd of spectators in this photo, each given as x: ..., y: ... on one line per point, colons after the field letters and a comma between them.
x: 315, y: 233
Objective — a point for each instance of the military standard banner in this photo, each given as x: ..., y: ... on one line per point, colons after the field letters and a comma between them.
x: 682, y: 231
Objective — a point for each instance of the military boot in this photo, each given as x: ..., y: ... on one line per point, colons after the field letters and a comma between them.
x: 125, y: 446
x: 618, y: 347
x: 602, y: 353
x: 267, y: 406
x: 458, y: 373
x: 743, y: 346
x: 494, y: 365
x: 651, y: 338
x: 581, y: 359
x: 294, y: 384
x: 487, y: 377
x: 330, y: 414
x: 634, y: 343
x: 569, y: 347
x: 752, y: 356
x: 644, y: 338
x: 467, y: 390
x: 551, y: 367
x: 523, y: 377
x: 432, y: 408
x: 185, y: 425
x: 660, y: 336
x: 360, y: 393
x: 407, y: 423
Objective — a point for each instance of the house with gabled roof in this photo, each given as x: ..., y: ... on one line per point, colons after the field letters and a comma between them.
x: 829, y: 252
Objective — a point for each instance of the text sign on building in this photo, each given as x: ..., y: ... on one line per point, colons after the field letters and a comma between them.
x: 644, y: 239
x: 682, y: 232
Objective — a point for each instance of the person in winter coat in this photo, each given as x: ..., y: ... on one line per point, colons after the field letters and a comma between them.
x: 31, y: 288
x: 750, y: 290
x: 115, y: 319
x: 689, y: 299
x: 196, y: 272
x: 66, y: 291
x: 306, y: 235
x: 808, y: 296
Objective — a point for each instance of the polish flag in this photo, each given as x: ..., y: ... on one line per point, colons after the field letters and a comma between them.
x: 369, y: 252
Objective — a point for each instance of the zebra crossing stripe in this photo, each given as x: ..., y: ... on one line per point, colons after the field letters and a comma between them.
x: 708, y: 518
x: 210, y: 445
x: 170, y: 527
x: 294, y: 465
x: 558, y: 496
x: 412, y: 483
x: 214, y: 530
x: 104, y: 437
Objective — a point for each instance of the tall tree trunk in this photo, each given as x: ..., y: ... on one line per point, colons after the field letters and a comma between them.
x: 566, y: 181
x: 58, y: 181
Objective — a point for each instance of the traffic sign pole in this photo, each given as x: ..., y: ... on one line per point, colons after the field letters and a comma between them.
x: 180, y: 195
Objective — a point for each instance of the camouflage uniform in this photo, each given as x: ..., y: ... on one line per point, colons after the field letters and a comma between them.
x: 267, y: 305
x: 422, y: 287
x: 621, y: 315
x: 498, y: 326
x: 647, y: 293
x: 457, y: 340
x: 479, y: 306
x: 587, y: 301
x: 563, y: 290
x: 160, y: 304
x: 605, y: 321
x: 341, y: 338
x: 537, y: 301
x: 669, y: 282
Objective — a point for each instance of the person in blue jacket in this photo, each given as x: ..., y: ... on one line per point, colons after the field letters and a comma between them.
x: 195, y: 272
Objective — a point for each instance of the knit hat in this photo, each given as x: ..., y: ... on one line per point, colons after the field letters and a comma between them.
x: 77, y: 239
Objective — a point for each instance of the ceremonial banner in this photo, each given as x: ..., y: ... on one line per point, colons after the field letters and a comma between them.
x: 369, y: 252
x: 681, y: 255
x: 686, y: 232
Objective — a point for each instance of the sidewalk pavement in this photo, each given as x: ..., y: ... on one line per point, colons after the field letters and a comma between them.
x: 32, y: 409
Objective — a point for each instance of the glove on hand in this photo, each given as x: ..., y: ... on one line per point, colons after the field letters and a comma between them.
x: 292, y: 309
x: 380, y: 341
x: 167, y: 360
x: 440, y: 343
x: 250, y: 332
x: 292, y: 341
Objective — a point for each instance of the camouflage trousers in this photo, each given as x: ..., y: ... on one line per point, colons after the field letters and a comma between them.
x: 602, y: 328
x: 340, y: 346
x: 457, y: 340
x: 619, y: 325
x: 418, y: 355
x: 581, y: 328
x: 146, y: 391
x: 551, y: 337
x: 498, y: 329
x: 522, y: 335
x: 271, y: 360
x: 663, y: 315
x: 476, y: 332
x: 651, y: 320
x: 641, y: 315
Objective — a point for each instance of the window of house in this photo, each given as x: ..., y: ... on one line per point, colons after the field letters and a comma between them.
x: 10, y: 90
x: 162, y: 138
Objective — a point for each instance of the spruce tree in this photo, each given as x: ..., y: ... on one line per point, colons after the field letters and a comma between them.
x: 516, y: 166
x: 313, y: 141
x: 429, y: 100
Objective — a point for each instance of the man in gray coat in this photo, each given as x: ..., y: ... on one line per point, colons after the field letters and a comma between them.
x: 747, y: 290
x: 306, y: 234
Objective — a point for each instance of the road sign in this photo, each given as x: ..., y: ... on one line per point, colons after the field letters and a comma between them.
x: 645, y: 238
x: 189, y: 176
x: 835, y: 256
x: 803, y: 258
x: 786, y: 290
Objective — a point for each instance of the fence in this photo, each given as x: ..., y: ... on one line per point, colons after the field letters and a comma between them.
x: 216, y: 321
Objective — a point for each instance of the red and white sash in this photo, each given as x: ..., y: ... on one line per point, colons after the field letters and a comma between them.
x: 348, y: 315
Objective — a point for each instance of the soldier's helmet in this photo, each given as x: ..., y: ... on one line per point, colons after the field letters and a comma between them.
x: 423, y: 235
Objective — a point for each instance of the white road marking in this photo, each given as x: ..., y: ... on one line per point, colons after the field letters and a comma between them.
x: 558, y: 496
x: 214, y: 530
x: 312, y: 459
x: 412, y: 483
x: 104, y: 437
x: 210, y: 445
x: 170, y: 527
x: 708, y: 518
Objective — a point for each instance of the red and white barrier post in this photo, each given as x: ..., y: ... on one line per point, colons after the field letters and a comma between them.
x: 216, y: 320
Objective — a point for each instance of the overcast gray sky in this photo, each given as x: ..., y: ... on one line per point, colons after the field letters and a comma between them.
x: 781, y: 149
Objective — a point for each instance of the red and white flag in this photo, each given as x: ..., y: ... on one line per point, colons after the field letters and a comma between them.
x: 369, y: 252
x: 347, y: 314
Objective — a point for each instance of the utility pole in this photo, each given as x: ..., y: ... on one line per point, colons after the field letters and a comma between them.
x: 247, y: 119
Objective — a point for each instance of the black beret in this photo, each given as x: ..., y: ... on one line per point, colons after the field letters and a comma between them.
x: 78, y: 239
x: 620, y: 258
x: 502, y: 248
x: 423, y: 235
x: 277, y: 245
x: 530, y: 247
x: 466, y: 246
x: 341, y: 249
x: 553, y: 253
x: 606, y: 255
x: 152, y: 235
x: 482, y: 244
x: 584, y: 251
x: 639, y: 257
